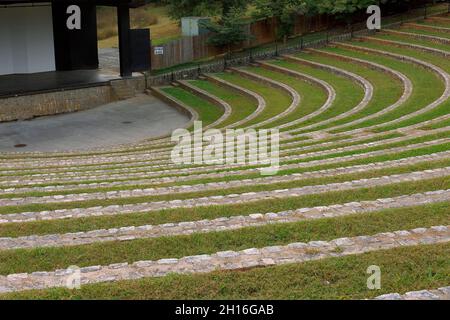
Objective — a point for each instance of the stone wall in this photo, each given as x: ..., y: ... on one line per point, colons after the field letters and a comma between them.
x: 138, y: 83
x: 63, y: 101
x: 42, y: 104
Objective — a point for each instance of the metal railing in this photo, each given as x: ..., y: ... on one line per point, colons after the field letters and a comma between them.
x: 321, y: 39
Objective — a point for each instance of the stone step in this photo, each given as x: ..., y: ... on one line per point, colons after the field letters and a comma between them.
x: 228, y: 199
x: 165, y: 170
x: 443, y: 75
x: 419, y: 36
x: 226, y: 260
x: 143, y: 180
x: 428, y: 27
x: 436, y: 294
x: 122, y: 90
x: 221, y: 224
x: 192, y: 173
x: 10, y: 166
x: 204, y: 187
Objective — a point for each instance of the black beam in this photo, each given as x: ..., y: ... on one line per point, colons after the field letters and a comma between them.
x: 123, y: 21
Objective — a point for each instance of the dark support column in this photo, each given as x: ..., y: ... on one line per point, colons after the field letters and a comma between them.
x: 75, y: 49
x: 123, y: 21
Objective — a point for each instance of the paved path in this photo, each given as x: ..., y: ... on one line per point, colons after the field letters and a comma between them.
x: 115, y: 123
x: 109, y: 59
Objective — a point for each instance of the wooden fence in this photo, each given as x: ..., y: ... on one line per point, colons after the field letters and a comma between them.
x: 180, y: 51
x: 188, y: 49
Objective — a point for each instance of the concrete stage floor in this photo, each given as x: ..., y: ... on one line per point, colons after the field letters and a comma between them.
x: 119, y: 122
x: 19, y: 84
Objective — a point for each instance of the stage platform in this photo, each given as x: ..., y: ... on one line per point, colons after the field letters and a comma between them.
x: 26, y: 84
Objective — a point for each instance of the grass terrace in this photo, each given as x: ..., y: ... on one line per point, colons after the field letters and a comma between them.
x: 372, y: 172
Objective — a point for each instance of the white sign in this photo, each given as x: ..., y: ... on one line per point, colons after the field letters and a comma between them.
x: 159, y: 50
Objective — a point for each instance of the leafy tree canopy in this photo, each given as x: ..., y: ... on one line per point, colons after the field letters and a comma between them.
x: 186, y: 8
x: 285, y: 11
x: 229, y: 30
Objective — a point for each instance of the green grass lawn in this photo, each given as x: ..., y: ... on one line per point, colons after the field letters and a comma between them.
x: 299, y: 183
x: 442, y: 124
x: 208, y: 112
x: 194, y: 180
x: 408, y: 39
x: 427, y: 87
x: 361, y: 150
x: 146, y: 166
x: 285, y: 151
x: 426, y: 32
x: 242, y: 106
x: 348, y: 94
x: 435, y: 60
x: 277, y: 100
x: 225, y: 191
x: 312, y: 97
x: 211, y: 212
x: 403, y: 269
x: 435, y: 23
x: 40, y: 259
x: 387, y: 89
x: 92, y: 203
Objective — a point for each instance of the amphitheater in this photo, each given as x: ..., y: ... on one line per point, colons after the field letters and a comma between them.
x: 363, y: 180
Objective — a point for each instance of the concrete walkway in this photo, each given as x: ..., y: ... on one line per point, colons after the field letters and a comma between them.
x: 109, y: 59
x: 116, y: 123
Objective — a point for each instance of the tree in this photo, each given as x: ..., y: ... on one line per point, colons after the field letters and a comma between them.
x: 229, y: 5
x: 343, y: 9
x: 229, y: 30
x: 186, y: 8
x: 284, y: 11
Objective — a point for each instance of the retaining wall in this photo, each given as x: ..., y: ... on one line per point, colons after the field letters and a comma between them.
x: 63, y: 101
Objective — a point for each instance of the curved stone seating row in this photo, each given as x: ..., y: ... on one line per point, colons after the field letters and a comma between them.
x: 441, y: 73
x: 143, y: 180
x: 228, y: 260
x: 334, y: 177
x: 286, y: 155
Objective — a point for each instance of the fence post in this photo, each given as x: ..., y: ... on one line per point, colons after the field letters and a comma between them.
x: 351, y: 31
x: 199, y: 70
x: 172, y: 77
x: 328, y: 37
x: 301, y: 42
x: 251, y: 55
x: 276, y: 48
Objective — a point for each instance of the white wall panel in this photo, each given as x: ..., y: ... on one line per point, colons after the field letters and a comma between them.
x: 26, y: 40
x: 6, y: 61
